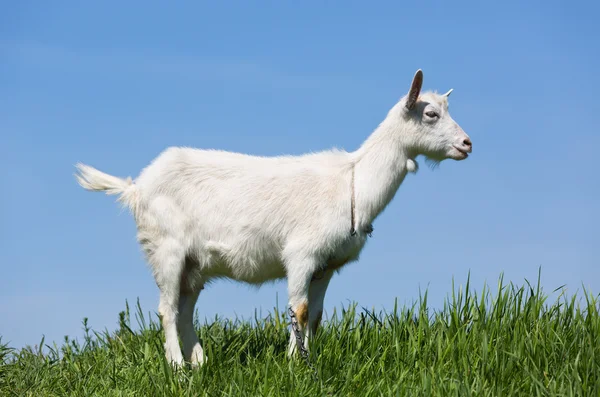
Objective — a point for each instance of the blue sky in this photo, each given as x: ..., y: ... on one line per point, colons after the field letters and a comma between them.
x: 112, y: 84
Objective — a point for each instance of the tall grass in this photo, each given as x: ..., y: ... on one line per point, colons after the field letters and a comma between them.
x: 510, y: 343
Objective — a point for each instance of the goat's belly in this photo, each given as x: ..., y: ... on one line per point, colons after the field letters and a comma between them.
x: 250, y: 266
x: 247, y: 271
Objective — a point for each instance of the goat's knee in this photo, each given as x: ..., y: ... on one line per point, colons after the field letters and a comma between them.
x: 301, y: 312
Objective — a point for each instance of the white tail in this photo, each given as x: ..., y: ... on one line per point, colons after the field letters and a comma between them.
x: 91, y: 179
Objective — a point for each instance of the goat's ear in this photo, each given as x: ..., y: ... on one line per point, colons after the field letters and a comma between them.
x: 448, y: 93
x: 415, y: 90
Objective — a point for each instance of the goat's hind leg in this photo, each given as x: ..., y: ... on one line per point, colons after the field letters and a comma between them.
x: 192, y: 350
x: 167, y: 260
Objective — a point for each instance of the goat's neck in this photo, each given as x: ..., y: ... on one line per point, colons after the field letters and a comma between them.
x: 380, y: 166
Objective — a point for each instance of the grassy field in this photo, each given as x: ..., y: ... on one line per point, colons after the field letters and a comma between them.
x: 512, y: 343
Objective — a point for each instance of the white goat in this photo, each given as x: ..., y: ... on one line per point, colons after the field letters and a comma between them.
x: 206, y: 214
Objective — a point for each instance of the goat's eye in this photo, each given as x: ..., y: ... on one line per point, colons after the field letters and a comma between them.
x: 431, y: 114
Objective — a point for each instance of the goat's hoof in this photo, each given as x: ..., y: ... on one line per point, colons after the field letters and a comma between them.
x: 176, y: 362
x: 197, y: 358
x: 292, y: 351
x: 198, y: 362
x: 177, y: 366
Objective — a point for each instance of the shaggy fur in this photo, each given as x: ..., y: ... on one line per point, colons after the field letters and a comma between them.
x: 207, y: 214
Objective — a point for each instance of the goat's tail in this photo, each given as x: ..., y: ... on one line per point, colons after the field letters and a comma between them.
x: 91, y: 179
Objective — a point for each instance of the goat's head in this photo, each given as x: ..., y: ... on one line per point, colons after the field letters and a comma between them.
x: 430, y: 129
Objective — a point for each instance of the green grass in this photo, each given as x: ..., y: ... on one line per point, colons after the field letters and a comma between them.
x: 511, y: 343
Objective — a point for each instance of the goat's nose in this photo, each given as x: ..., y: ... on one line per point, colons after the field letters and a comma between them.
x: 467, y: 142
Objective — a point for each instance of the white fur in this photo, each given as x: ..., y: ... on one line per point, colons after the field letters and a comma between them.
x: 206, y: 214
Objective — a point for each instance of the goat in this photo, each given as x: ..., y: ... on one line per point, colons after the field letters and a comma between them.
x: 208, y: 214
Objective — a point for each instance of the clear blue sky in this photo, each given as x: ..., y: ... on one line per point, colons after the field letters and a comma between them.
x: 112, y: 84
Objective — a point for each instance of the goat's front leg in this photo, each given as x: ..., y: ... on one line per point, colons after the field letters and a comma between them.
x: 299, y: 276
x: 316, y: 296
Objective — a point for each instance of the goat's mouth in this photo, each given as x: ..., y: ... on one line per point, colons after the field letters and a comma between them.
x: 461, y: 153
